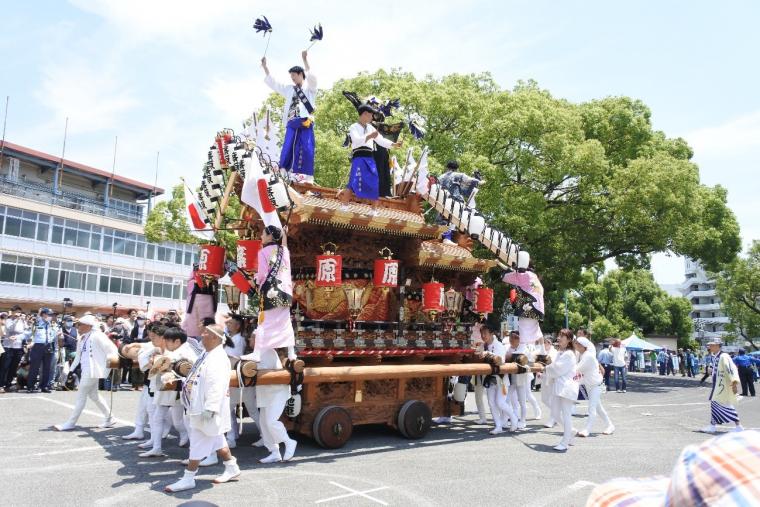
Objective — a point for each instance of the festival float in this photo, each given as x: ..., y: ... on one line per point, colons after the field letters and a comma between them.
x: 383, y: 308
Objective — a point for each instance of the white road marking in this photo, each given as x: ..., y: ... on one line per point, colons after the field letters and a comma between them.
x: 665, y: 405
x: 353, y: 492
x: 6, y: 398
x: 84, y: 449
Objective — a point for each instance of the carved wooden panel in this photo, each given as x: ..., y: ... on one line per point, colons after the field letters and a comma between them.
x: 375, y: 389
x: 419, y: 386
x: 334, y: 393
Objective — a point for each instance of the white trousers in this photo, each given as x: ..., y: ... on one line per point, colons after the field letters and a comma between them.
x: 517, y: 396
x: 595, y: 407
x: 480, y: 397
x: 272, y: 430
x: 164, y: 418
x: 501, y: 410
x: 564, y: 410
x: 534, y: 403
x: 141, y: 416
x: 88, y: 388
x: 249, y: 400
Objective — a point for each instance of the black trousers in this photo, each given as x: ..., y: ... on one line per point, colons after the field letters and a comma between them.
x: 747, y: 380
x: 11, y: 360
x: 607, y: 372
x: 40, y: 354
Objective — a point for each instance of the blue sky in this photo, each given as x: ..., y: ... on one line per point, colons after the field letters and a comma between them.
x: 165, y: 75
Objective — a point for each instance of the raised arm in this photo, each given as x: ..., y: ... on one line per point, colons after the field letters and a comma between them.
x: 271, y: 82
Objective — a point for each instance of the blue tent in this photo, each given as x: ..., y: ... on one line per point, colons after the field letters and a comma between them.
x: 633, y: 342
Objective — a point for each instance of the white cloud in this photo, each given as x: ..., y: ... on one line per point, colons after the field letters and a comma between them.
x: 736, y: 135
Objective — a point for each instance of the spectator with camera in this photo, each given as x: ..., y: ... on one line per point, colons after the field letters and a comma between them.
x: 13, y: 342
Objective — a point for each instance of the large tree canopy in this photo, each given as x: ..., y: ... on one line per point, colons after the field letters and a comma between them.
x: 620, y: 303
x: 739, y: 289
x: 576, y: 184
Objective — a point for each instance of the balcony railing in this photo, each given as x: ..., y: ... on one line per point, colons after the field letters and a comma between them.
x: 70, y: 200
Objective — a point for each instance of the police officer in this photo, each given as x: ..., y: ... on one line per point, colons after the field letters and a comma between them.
x: 42, y: 351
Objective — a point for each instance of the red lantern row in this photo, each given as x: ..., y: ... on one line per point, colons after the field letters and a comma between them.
x: 248, y: 254
x: 211, y: 261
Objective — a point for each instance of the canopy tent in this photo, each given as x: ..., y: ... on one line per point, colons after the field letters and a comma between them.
x: 633, y: 342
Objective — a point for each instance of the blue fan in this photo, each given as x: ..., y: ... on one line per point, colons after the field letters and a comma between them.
x: 389, y: 106
x: 316, y: 35
x: 262, y: 24
x: 417, y: 126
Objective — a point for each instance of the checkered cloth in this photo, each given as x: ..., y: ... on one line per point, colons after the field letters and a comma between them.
x: 723, y: 471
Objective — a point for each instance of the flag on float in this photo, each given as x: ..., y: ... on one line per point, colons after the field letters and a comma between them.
x: 200, y: 225
x: 422, y: 186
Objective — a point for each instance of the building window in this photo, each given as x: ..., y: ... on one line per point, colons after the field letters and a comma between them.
x: 16, y: 269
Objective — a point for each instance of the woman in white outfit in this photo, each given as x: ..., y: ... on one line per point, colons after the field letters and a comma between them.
x: 592, y: 378
x: 565, y: 388
x: 238, y: 395
x: 496, y: 385
x: 547, y: 383
x: 477, y: 380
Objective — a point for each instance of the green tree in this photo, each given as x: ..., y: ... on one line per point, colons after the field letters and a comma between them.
x: 167, y: 220
x: 739, y: 289
x: 575, y: 184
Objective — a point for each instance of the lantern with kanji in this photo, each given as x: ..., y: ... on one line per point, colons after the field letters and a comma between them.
x: 248, y: 254
x: 329, y: 267
x: 432, y: 298
x: 386, y: 270
x: 211, y: 261
x: 483, y: 303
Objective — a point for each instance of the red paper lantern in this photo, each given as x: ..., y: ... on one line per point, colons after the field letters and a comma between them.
x: 241, y: 282
x: 512, y: 295
x: 386, y: 273
x: 483, y: 300
x: 329, y: 270
x: 432, y: 297
x: 220, y: 146
x: 248, y: 254
x: 266, y: 203
x: 211, y: 261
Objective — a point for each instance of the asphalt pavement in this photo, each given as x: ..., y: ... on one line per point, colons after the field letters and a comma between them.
x: 456, y: 464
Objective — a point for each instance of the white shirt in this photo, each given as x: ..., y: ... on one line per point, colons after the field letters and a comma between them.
x: 618, y: 356
x: 14, y: 333
x: 288, y: 90
x: 358, y: 134
x: 86, y: 351
x: 588, y: 366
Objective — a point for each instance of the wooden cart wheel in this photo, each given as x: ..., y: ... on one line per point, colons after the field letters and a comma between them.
x: 414, y: 419
x: 332, y: 427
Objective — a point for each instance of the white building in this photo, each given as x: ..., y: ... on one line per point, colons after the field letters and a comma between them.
x: 72, y: 231
x: 709, y: 320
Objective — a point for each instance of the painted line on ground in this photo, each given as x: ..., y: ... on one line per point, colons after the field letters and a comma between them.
x: 353, y: 492
x: 86, y: 411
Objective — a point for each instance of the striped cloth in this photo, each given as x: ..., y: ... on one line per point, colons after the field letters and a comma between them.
x: 722, y: 414
x: 721, y: 472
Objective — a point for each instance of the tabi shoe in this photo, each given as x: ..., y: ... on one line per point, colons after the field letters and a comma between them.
x: 560, y: 447
x: 258, y: 443
x: 153, y: 453
x: 67, y: 426
x: 738, y: 427
x: 231, y: 472
x: 537, y: 416
x: 710, y: 428
x: 166, y: 433
x: 583, y: 433
x: 290, y: 449
x: 272, y: 458
x: 183, y: 441
x: 135, y: 435
x: 482, y: 421
x: 442, y: 420
x: 210, y: 460
x: 521, y: 425
x: 550, y: 423
x: 186, y: 482
x: 145, y: 445
x: 496, y: 431
x: 108, y: 423
x: 609, y: 430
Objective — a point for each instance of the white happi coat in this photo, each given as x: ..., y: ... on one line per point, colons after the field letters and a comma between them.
x: 99, y: 347
x: 563, y: 371
x: 288, y: 90
x: 208, y: 388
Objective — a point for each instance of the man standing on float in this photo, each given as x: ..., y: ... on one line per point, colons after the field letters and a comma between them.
x: 297, y: 155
